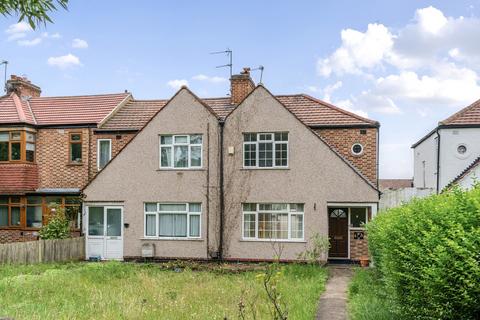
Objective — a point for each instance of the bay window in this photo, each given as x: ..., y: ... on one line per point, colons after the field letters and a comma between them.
x: 172, y: 220
x: 273, y: 221
x: 181, y: 151
x: 17, y: 146
x: 265, y: 150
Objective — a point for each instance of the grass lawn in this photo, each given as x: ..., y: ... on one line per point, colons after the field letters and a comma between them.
x: 367, y: 299
x: 116, y: 290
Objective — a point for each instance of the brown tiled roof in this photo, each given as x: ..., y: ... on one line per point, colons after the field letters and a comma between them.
x: 74, y: 109
x: 18, y: 178
x: 394, y: 184
x: 15, y: 110
x: 134, y: 115
x: 473, y: 165
x: 468, y: 115
x: 311, y: 111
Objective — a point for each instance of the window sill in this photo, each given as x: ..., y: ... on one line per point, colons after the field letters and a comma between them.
x: 357, y: 229
x: 171, y: 239
x: 267, y: 168
x: 272, y: 240
x: 73, y: 164
x: 181, y: 169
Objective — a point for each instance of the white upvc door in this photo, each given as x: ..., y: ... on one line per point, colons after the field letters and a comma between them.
x: 104, y: 236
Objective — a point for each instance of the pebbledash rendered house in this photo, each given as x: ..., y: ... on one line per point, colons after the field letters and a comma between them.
x: 241, y: 178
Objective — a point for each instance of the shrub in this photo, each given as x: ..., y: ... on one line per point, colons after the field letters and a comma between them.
x: 58, y: 226
x: 318, y: 251
x: 428, y: 254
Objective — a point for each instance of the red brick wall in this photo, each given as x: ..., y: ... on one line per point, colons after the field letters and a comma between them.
x: 13, y: 235
x: 342, y: 141
x: 118, y: 142
x: 52, y: 156
x: 358, y: 247
x: 18, y: 177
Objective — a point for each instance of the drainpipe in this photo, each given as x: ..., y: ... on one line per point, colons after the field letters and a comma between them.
x: 438, y: 160
x: 208, y: 191
x: 222, y: 200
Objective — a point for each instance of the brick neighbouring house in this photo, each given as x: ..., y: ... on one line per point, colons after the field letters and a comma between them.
x: 108, y: 122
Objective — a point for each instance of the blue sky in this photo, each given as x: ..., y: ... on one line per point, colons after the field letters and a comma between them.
x: 407, y: 64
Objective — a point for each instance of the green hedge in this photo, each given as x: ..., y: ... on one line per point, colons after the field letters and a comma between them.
x: 428, y: 254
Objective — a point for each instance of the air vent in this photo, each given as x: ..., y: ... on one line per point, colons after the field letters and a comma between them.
x: 363, y: 131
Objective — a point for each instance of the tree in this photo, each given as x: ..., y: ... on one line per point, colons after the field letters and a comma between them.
x: 36, y: 12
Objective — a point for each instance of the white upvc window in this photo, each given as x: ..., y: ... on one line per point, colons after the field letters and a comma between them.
x: 273, y: 221
x: 265, y: 150
x: 181, y: 151
x: 104, y: 152
x: 172, y: 220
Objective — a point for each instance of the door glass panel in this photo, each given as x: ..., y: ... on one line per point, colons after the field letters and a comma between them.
x: 95, y: 221
x: 114, y: 222
x: 34, y: 216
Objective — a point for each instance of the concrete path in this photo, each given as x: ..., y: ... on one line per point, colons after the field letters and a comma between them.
x: 333, y: 302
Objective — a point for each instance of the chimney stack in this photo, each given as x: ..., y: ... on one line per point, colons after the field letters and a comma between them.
x: 241, y: 86
x: 22, y: 87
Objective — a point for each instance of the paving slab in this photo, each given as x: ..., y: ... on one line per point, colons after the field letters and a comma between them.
x: 333, y: 302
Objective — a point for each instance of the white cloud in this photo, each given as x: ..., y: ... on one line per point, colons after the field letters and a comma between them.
x: 177, y: 83
x: 64, y: 62
x: 431, y: 19
x: 56, y: 35
x: 18, y: 30
x: 430, y: 62
x: 79, y: 44
x: 214, y: 79
x: 328, y: 90
x: 29, y: 43
x: 358, y: 51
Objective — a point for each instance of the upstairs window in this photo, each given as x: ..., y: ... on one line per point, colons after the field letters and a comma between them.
x: 265, y: 150
x: 75, y: 141
x: 17, y: 146
x: 104, y: 152
x: 181, y: 151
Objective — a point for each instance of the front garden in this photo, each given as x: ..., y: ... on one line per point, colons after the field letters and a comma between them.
x: 427, y: 261
x: 117, y: 290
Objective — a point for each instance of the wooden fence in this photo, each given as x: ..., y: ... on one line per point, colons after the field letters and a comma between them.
x: 43, y: 251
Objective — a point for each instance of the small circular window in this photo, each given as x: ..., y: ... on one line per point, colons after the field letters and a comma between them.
x: 357, y: 149
x: 462, y: 149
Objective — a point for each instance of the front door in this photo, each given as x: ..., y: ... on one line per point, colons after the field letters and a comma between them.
x: 105, y: 233
x: 338, y: 232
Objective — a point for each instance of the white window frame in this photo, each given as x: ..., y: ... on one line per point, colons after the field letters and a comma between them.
x: 288, y: 211
x: 257, y: 150
x: 353, y: 152
x: 158, y: 212
x: 172, y: 154
x: 109, y: 152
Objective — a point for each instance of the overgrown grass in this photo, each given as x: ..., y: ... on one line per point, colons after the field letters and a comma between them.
x: 367, y: 299
x: 140, y: 291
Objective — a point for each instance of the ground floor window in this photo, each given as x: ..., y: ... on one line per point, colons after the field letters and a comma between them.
x: 358, y: 217
x: 34, y: 211
x: 273, y: 221
x: 172, y: 220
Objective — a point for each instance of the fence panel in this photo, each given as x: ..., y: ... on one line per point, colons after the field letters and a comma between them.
x: 43, y: 251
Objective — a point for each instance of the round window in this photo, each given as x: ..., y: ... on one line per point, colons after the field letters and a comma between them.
x: 357, y: 149
x: 462, y: 149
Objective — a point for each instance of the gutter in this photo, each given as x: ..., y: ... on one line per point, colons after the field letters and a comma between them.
x: 222, y: 196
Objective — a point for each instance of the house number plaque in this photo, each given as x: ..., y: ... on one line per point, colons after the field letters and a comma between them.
x: 358, y: 235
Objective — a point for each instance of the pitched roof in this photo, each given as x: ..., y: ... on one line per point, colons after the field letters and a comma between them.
x: 74, y: 109
x: 15, y: 110
x: 134, y: 115
x: 394, y: 184
x: 468, y: 115
x: 309, y: 110
x: 466, y: 171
